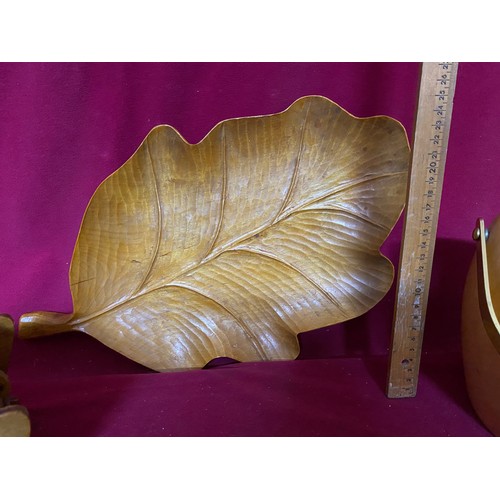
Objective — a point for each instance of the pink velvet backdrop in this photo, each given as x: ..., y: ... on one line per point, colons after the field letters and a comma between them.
x: 65, y: 127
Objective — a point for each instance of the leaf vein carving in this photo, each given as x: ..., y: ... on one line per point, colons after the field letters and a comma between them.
x: 315, y: 285
x: 159, y: 231
x: 234, y: 243
x: 251, y: 337
x: 214, y: 252
x: 223, y: 196
x: 200, y: 347
x: 335, y: 191
x: 348, y: 213
x: 295, y: 174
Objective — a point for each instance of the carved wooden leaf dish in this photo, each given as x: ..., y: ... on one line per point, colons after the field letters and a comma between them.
x: 269, y: 227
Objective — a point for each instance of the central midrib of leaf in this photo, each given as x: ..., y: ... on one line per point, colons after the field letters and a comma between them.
x: 213, y: 252
x: 233, y: 244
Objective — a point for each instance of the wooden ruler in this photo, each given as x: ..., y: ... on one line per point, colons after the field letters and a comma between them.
x: 430, y: 144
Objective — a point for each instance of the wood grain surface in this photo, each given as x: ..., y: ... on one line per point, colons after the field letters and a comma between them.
x: 270, y: 226
x: 6, y: 339
x: 481, y: 355
x: 14, y: 421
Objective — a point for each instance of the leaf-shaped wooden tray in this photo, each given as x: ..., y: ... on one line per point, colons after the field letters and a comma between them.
x: 269, y: 227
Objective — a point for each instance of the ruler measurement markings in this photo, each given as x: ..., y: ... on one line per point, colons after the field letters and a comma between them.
x: 426, y: 178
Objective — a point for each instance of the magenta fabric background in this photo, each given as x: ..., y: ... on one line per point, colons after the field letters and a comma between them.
x: 65, y: 127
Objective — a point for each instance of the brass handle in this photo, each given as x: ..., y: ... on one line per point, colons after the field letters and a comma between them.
x: 488, y: 315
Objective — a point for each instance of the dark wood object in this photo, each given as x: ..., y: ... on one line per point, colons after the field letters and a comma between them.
x: 14, y: 419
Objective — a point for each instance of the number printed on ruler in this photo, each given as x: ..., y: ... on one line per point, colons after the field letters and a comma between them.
x: 435, y: 105
x: 429, y: 198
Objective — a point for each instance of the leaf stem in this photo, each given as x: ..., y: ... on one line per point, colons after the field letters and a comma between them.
x: 43, y: 324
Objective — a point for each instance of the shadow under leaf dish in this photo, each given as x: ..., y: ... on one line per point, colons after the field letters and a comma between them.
x: 269, y: 227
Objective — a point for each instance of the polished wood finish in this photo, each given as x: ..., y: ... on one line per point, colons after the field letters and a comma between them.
x: 480, y: 332
x: 271, y: 226
x: 6, y: 339
x: 430, y: 146
x: 4, y: 389
x: 14, y: 419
